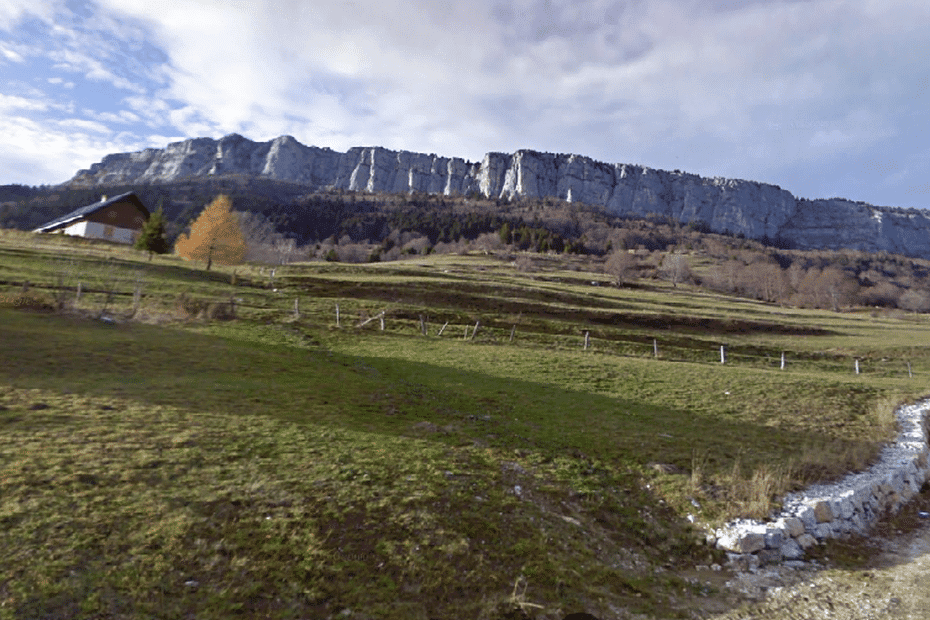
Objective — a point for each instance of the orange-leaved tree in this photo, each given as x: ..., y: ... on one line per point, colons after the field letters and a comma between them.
x: 215, y: 235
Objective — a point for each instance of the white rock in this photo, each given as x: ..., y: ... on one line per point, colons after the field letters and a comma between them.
x: 741, y: 542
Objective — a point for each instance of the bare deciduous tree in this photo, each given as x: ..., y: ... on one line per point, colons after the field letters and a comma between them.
x: 915, y: 300
x: 488, y: 242
x: 264, y: 244
x: 675, y: 268
x: 621, y: 266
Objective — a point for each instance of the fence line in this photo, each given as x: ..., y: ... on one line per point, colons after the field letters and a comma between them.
x: 667, y: 351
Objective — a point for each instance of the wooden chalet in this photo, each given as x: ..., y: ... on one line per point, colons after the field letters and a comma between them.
x: 117, y: 219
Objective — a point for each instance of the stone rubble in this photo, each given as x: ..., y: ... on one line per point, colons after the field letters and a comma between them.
x: 847, y: 507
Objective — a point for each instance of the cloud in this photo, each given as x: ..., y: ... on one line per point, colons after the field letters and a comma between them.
x: 14, y: 11
x: 10, y: 104
x: 11, y: 55
x: 781, y: 91
x: 80, y: 124
x: 39, y: 152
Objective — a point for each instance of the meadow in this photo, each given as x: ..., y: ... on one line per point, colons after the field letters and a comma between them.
x: 466, y: 436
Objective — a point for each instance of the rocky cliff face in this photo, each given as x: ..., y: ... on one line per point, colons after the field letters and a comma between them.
x: 756, y: 210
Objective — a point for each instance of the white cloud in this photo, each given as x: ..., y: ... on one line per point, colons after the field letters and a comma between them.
x: 121, y: 117
x: 36, y: 152
x: 14, y: 11
x: 10, y: 103
x: 92, y: 68
x: 12, y: 55
x: 750, y: 89
x: 84, y: 125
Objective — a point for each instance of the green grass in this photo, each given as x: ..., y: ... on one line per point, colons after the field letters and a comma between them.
x: 293, y: 468
x: 285, y: 509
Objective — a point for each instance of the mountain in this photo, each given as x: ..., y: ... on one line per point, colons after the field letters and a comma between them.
x: 755, y: 210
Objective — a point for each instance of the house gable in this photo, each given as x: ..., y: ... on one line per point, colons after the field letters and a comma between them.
x: 122, y: 214
x: 118, y: 219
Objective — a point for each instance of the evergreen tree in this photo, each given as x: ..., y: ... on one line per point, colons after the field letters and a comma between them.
x: 152, y: 238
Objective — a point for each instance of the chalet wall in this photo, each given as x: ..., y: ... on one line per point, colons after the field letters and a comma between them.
x: 96, y: 230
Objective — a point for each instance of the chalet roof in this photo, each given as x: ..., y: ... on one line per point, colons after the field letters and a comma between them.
x: 81, y: 213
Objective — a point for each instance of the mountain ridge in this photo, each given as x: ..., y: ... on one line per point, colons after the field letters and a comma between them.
x: 743, y: 207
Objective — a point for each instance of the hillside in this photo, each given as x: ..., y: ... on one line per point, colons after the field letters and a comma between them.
x: 284, y: 223
x: 236, y: 442
x: 754, y: 210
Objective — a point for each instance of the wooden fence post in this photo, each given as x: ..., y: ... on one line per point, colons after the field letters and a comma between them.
x: 857, y: 366
x: 297, y: 307
x: 512, y: 331
x: 782, y: 360
x: 77, y: 298
x: 655, y: 348
x: 443, y: 328
x: 337, y: 315
x: 587, y: 338
x: 476, y: 330
x: 723, y: 354
x: 380, y: 316
x: 909, y: 373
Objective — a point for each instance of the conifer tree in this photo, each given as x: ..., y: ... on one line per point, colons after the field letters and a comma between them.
x: 214, y: 236
x: 152, y: 238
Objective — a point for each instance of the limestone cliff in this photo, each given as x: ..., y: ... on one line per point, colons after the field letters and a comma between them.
x: 756, y: 210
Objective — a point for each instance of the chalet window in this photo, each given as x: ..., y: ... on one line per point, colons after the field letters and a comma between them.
x: 112, y: 215
x: 107, y: 232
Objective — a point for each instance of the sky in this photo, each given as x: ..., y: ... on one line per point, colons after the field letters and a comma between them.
x: 825, y: 98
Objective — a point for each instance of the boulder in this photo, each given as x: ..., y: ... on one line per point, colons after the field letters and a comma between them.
x: 794, y: 527
x: 806, y: 541
x: 822, y: 512
x: 774, y: 537
x: 741, y: 542
x: 806, y: 515
x: 791, y: 550
x: 770, y: 556
x: 824, y: 531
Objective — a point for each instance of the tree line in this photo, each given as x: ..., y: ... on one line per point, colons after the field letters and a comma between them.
x: 281, y: 222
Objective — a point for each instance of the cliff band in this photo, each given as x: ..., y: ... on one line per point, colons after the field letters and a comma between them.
x: 756, y: 210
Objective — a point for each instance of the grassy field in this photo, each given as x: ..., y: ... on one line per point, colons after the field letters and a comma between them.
x: 271, y: 463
